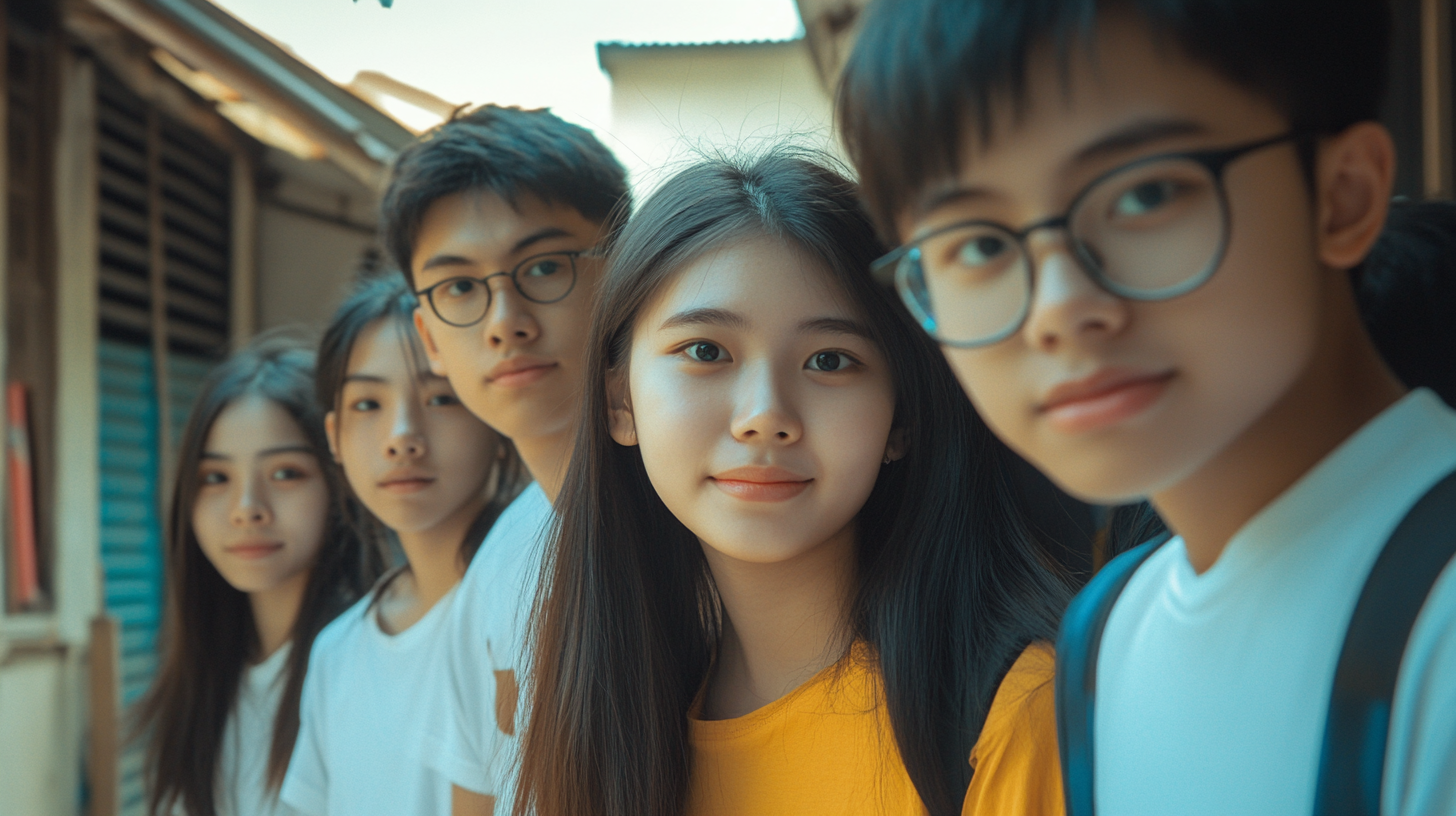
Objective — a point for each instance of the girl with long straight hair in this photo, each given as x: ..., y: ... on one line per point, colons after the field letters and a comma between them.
x: 259, y: 557
x: 432, y: 478
x: 791, y: 573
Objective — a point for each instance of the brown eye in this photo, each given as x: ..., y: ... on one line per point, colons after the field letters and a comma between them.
x: 830, y: 361
x: 704, y: 352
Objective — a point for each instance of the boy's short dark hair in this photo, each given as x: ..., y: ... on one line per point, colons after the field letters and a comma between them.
x: 925, y: 70
x: 509, y: 152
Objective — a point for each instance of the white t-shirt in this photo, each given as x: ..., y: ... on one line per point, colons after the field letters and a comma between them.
x: 368, y: 701
x: 1212, y: 689
x: 242, y: 779
x: 481, y: 722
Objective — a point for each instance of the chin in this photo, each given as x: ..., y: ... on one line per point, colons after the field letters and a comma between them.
x: 1119, y: 480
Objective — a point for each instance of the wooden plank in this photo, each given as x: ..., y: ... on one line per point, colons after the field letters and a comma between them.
x: 1436, y: 98
x: 158, y: 277
x: 104, y: 751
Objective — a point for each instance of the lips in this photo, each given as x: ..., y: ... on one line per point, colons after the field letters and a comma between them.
x: 761, y: 484
x: 253, y: 550
x: 406, y: 483
x: 1106, y: 398
x: 520, y: 370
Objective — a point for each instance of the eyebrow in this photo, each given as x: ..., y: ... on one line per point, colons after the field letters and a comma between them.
x: 705, y: 317
x: 213, y: 455
x: 423, y: 375
x: 543, y: 234
x: 1135, y: 135
x: 733, y: 320
x: 836, y: 325
x: 1138, y: 134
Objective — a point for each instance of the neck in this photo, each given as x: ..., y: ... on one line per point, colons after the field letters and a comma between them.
x: 784, y: 623
x: 274, y: 613
x: 546, y: 457
x: 434, y: 569
x: 1345, y: 386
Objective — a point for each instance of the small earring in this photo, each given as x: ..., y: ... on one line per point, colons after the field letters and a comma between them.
x: 887, y: 459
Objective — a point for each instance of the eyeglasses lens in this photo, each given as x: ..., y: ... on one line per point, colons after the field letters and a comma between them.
x: 546, y: 279
x: 460, y: 301
x: 1151, y: 231
x: 543, y: 279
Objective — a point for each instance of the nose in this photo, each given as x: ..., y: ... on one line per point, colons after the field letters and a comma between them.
x: 406, y: 438
x: 764, y: 412
x: 1067, y: 305
x: 251, y: 508
x: 509, y: 321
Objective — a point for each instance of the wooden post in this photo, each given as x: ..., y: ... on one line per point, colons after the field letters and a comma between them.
x: 103, y: 755
x: 157, y: 244
x: 243, y: 299
x: 1436, y: 135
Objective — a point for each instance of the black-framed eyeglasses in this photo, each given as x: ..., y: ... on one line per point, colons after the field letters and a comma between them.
x: 545, y: 278
x: 1152, y: 229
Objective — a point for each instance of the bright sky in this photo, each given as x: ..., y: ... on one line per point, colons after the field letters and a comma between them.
x: 525, y: 52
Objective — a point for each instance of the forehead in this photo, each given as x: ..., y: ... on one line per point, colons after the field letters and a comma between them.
x: 766, y: 280
x: 250, y: 424
x: 388, y: 349
x: 482, y: 226
x: 1064, y: 125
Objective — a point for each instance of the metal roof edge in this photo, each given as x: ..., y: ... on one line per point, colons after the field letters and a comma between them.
x: 606, y: 47
x: 374, y: 131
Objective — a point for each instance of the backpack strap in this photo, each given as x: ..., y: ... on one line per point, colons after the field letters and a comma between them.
x: 1352, y: 760
x: 1076, y: 677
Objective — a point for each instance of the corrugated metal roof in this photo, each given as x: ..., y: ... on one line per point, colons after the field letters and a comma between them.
x: 621, y: 47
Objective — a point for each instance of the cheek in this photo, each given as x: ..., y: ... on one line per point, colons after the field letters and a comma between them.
x: 210, y: 523
x: 992, y: 378
x: 357, y: 449
x: 301, y: 515
x: 1246, y: 336
x: 678, y: 421
x: 853, y: 430
x: 464, y: 451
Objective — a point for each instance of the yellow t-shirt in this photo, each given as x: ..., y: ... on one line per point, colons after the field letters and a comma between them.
x: 827, y: 748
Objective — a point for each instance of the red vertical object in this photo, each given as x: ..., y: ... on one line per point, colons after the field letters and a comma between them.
x: 24, y: 578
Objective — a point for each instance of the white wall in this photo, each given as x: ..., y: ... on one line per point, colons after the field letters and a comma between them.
x: 669, y: 103
x: 40, y: 734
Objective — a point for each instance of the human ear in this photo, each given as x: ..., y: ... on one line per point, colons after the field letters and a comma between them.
x: 1353, y: 178
x: 619, y: 408
x: 895, y: 445
x: 331, y: 430
x: 432, y: 351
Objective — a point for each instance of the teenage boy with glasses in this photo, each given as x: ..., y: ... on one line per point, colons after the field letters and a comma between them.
x: 1131, y: 227
x: 495, y: 218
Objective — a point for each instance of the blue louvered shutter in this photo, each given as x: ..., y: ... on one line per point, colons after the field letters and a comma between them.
x: 164, y: 202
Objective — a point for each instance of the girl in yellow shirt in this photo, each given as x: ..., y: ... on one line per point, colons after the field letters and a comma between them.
x: 790, y: 574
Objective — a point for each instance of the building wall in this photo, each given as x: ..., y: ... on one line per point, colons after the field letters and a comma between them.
x: 315, y: 227
x: 670, y: 104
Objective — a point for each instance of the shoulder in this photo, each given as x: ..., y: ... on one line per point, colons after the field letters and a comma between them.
x: 1025, y: 696
x: 1015, y: 760
x: 336, y: 638
x: 508, y: 559
x: 519, y: 527
x: 526, y: 515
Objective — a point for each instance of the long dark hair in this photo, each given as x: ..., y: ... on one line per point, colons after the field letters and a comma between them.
x: 951, y: 587
x: 380, y: 297
x: 209, y: 633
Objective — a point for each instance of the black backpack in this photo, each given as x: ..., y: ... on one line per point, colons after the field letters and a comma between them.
x: 1352, y: 759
